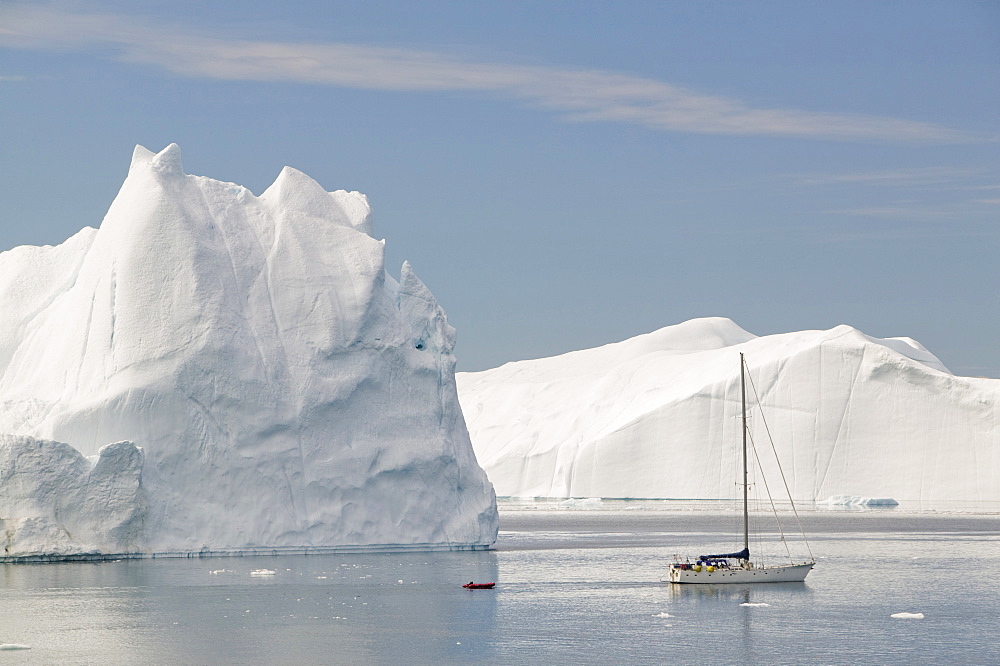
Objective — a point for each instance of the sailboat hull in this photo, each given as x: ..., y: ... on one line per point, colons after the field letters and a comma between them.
x: 789, y: 573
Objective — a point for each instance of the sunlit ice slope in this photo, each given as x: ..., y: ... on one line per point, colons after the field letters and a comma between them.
x: 657, y: 416
x: 281, y: 388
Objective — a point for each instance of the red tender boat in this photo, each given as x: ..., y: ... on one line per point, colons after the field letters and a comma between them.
x: 478, y: 586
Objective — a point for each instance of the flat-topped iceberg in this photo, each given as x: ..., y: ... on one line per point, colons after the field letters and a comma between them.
x: 655, y: 416
x: 270, y: 384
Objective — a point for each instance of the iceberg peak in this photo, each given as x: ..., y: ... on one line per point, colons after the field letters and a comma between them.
x: 295, y: 196
x: 166, y: 162
x: 141, y: 156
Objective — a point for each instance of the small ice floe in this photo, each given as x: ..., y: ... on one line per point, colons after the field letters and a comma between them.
x: 400, y: 581
x: 263, y: 572
x: 663, y: 615
x: 582, y: 503
x: 216, y: 572
x: 853, y: 500
x: 751, y: 604
x: 908, y: 616
x: 14, y: 646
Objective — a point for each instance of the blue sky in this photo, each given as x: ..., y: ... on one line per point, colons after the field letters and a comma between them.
x: 561, y: 174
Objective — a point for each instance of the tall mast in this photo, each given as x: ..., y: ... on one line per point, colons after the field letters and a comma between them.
x: 746, y: 511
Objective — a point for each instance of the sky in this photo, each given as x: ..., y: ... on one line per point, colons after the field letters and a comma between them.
x: 560, y: 174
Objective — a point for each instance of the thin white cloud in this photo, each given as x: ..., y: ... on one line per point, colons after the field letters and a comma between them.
x: 901, y: 177
x: 964, y: 212
x: 577, y: 94
x: 909, y: 212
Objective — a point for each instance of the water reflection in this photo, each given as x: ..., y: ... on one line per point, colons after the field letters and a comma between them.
x: 751, y: 593
x: 340, y: 609
x: 587, y: 594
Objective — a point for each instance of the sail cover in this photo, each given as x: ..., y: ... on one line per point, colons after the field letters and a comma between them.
x: 742, y: 555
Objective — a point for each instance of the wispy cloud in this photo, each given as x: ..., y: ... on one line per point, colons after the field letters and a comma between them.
x: 896, y: 212
x: 966, y: 212
x: 893, y: 177
x: 577, y: 94
x: 8, y: 77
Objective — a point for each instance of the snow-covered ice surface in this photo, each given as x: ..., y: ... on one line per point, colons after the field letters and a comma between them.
x: 656, y: 416
x: 261, y: 379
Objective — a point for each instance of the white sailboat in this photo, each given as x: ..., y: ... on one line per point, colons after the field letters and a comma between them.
x: 739, y: 567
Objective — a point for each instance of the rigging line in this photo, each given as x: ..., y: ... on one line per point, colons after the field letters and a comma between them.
x: 767, y: 489
x: 798, y: 522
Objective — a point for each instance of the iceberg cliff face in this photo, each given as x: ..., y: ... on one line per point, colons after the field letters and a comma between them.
x: 657, y: 416
x: 284, y: 390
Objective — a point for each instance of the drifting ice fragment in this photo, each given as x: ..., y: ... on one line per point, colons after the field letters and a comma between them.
x: 851, y: 500
x: 751, y: 604
x: 262, y: 572
x: 908, y: 616
x: 583, y: 503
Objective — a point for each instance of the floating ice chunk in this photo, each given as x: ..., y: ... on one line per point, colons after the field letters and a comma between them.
x: 663, y: 615
x: 852, y: 500
x: 14, y: 646
x: 751, y: 604
x: 582, y: 503
x: 908, y: 616
x: 262, y: 572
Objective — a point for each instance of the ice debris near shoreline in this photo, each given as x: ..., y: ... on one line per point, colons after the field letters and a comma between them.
x: 268, y: 384
x: 656, y: 416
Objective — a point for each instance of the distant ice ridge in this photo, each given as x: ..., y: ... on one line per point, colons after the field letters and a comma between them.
x: 268, y: 384
x: 656, y: 416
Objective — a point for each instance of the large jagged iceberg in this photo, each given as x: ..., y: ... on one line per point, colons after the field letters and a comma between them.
x: 262, y: 380
x: 656, y: 416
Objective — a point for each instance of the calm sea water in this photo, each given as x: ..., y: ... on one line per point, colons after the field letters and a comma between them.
x: 573, y: 586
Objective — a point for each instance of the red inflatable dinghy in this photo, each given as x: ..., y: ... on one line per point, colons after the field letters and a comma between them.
x: 478, y: 586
